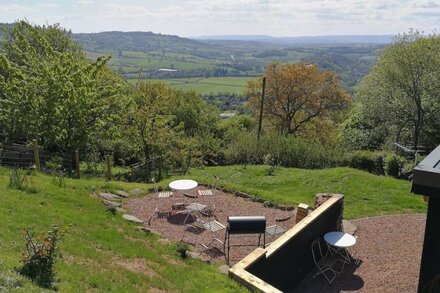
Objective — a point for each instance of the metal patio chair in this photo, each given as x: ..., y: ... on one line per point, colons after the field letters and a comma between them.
x: 160, y: 194
x: 209, y: 191
x: 277, y: 229
x: 323, y: 262
x: 212, y: 227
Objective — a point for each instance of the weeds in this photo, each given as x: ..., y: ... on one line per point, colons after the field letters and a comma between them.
x: 59, y: 180
x: 20, y: 182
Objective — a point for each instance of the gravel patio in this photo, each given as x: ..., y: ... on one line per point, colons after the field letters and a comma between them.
x: 224, y: 205
x: 389, y: 249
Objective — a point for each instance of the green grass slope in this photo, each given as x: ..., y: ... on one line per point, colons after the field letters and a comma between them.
x: 101, y: 252
x: 365, y: 194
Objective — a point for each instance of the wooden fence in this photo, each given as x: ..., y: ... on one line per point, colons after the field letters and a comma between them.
x: 32, y: 156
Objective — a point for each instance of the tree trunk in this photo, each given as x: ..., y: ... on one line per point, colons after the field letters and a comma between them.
x: 418, y: 124
x: 147, y: 156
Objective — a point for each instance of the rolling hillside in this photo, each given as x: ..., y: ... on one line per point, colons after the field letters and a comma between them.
x: 147, y: 55
x: 189, y: 62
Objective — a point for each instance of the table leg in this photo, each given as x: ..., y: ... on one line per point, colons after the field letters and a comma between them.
x: 342, y: 252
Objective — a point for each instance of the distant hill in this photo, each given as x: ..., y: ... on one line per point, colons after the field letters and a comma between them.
x: 342, y: 39
x: 148, y: 55
x: 143, y: 42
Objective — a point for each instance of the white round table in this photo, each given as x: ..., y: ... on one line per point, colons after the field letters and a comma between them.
x: 338, y: 242
x: 183, y: 184
x: 340, y: 239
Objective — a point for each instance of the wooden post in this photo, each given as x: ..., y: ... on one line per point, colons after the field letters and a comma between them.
x: 78, y: 175
x: 302, y: 212
x: 109, y: 167
x: 260, y: 120
x: 36, y: 154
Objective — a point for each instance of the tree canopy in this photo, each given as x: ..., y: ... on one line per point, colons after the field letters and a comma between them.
x: 296, y: 96
x: 399, y: 100
x: 51, y: 92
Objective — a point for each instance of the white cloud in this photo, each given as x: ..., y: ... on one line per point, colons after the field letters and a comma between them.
x: 275, y: 17
x: 85, y: 2
x: 14, y: 8
x: 48, y: 5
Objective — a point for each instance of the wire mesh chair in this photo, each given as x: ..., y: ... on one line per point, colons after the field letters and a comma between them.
x: 323, y: 262
x: 211, y: 189
x: 277, y: 229
x: 213, y: 227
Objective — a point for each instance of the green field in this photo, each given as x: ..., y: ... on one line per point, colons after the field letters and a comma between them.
x: 207, y: 85
x: 100, y: 251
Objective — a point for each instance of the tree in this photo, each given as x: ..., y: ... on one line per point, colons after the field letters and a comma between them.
x: 296, y: 95
x: 50, y: 91
x: 175, y: 126
x: 399, y: 99
x: 150, y: 128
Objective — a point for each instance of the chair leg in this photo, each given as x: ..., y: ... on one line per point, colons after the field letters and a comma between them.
x: 323, y: 272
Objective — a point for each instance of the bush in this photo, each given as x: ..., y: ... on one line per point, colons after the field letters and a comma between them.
x: 55, y: 163
x: 368, y: 161
x: 39, y: 257
x: 287, y: 151
x: 181, y: 249
x: 394, y: 165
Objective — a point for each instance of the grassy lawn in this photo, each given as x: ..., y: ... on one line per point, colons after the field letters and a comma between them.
x: 98, y: 246
x: 365, y: 194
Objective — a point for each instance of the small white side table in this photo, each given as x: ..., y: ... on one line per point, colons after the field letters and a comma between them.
x: 338, y: 242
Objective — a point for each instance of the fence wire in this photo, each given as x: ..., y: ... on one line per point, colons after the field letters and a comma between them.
x: 22, y: 156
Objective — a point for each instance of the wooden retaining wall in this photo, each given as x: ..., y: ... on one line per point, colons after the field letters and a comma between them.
x: 282, y: 265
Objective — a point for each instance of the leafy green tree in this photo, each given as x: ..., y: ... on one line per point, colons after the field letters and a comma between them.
x: 176, y: 126
x: 50, y: 91
x: 150, y: 126
x: 399, y: 100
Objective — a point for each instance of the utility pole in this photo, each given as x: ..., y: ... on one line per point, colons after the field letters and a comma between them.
x: 260, y: 121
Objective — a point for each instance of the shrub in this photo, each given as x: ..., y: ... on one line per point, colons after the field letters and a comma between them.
x: 287, y: 151
x: 55, y: 163
x: 368, y: 161
x: 181, y: 249
x: 394, y: 165
x: 39, y: 257
x: 407, y: 170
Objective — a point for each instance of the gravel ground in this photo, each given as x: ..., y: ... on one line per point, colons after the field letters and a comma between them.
x: 389, y: 249
x: 224, y: 205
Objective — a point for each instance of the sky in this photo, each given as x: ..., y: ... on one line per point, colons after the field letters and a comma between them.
x: 231, y: 17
